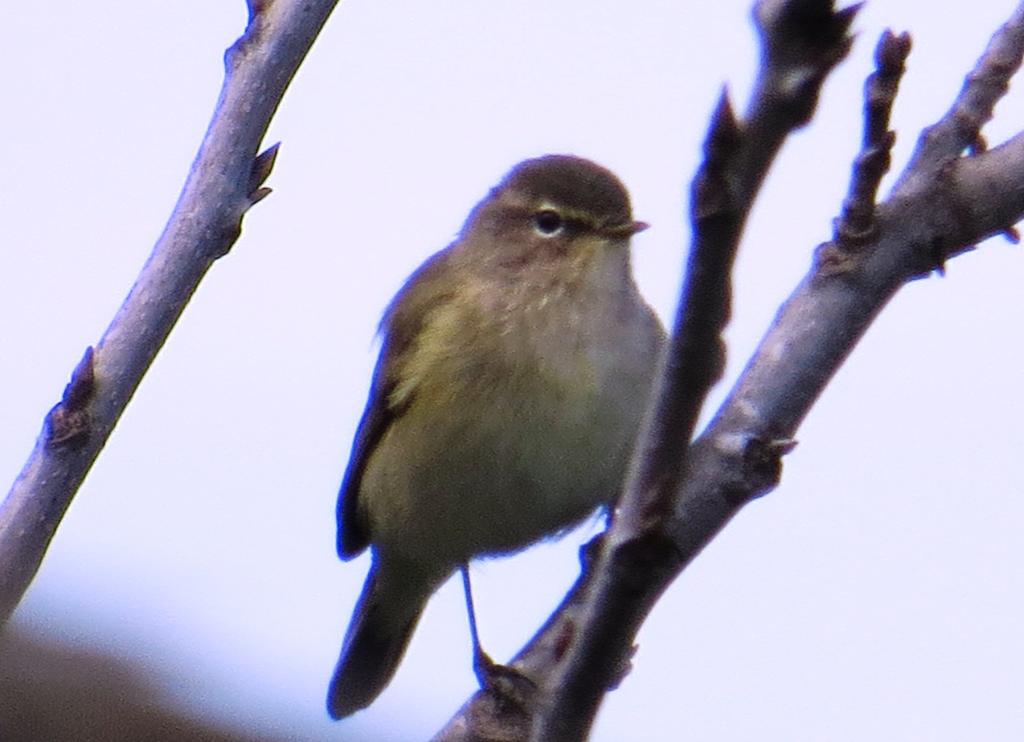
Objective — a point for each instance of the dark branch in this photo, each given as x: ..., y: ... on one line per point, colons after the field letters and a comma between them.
x: 855, y: 224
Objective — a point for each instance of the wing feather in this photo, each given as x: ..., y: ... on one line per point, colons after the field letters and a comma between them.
x: 423, y: 292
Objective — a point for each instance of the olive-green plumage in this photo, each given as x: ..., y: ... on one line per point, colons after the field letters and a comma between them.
x: 513, y: 375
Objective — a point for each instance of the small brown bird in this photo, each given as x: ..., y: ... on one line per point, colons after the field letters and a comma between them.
x: 514, y: 371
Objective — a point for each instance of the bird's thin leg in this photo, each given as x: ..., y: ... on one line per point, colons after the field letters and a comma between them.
x: 502, y: 681
x: 483, y: 665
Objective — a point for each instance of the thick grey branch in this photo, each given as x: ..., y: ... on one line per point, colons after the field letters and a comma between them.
x: 225, y: 180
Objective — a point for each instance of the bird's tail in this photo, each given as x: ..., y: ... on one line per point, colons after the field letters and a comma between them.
x: 385, y: 616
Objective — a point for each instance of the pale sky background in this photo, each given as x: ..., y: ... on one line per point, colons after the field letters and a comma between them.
x: 877, y: 594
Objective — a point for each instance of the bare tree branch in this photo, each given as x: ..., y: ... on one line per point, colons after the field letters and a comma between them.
x: 856, y: 222
x: 226, y: 179
x: 960, y: 128
x: 942, y: 204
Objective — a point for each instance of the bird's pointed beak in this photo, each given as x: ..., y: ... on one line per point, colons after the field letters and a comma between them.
x: 626, y: 229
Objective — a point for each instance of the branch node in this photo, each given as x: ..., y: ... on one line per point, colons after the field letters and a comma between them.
x: 68, y: 423
x: 762, y: 463
x: 624, y: 669
x: 938, y: 254
x: 979, y: 146
x: 262, y: 166
x: 513, y: 690
x: 832, y: 260
x: 259, y: 194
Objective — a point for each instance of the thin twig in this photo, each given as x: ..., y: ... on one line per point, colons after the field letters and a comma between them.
x: 960, y: 128
x: 855, y: 224
x: 225, y: 181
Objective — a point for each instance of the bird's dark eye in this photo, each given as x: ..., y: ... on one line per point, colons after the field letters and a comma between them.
x: 548, y: 222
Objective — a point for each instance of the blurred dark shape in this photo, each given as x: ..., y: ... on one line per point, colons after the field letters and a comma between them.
x: 50, y: 692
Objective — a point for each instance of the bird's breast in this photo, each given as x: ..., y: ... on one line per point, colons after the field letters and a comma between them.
x: 520, y: 424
